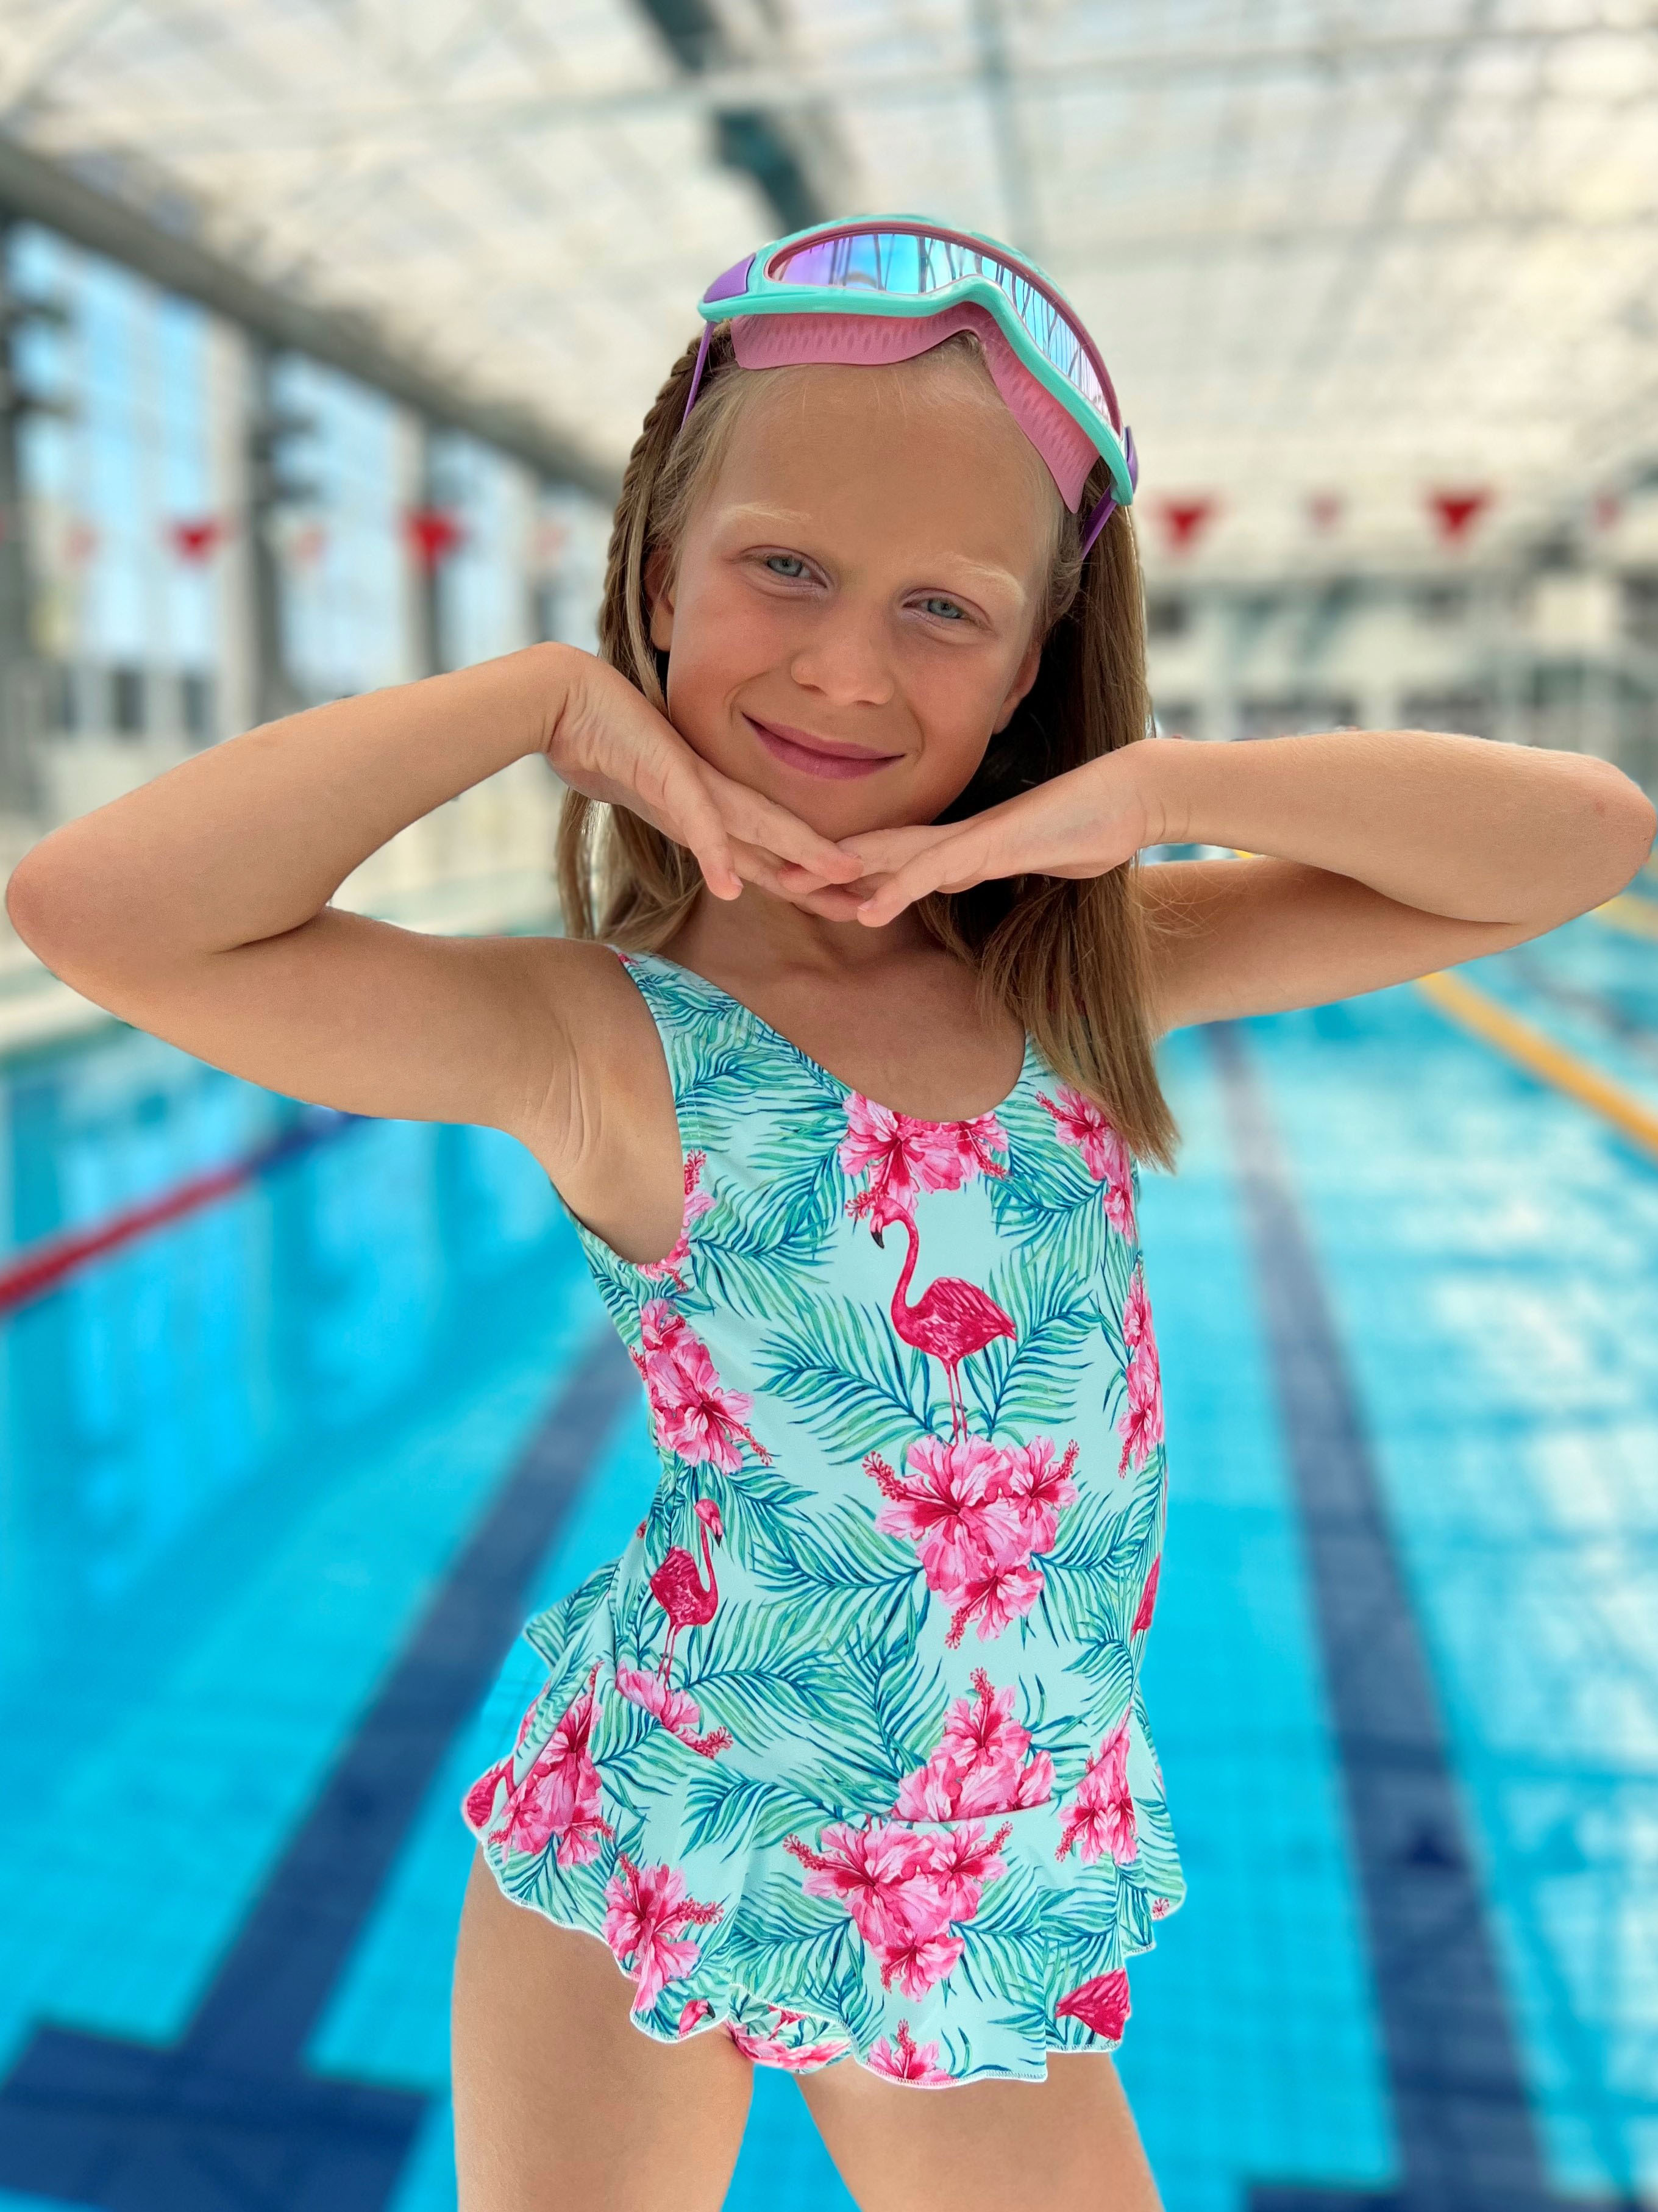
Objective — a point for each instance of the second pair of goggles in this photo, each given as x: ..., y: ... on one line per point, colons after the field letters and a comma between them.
x: 890, y: 287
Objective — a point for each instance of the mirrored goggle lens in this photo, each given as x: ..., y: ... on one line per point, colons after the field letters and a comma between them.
x: 911, y: 265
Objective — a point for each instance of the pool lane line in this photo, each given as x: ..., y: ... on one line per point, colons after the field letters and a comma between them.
x: 1606, y: 1012
x: 1634, y: 915
x: 1486, y: 1017
x: 41, y: 1266
x: 1462, y: 2120
x: 227, y: 2119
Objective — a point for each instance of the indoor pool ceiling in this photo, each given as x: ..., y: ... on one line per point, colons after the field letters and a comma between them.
x: 1332, y: 252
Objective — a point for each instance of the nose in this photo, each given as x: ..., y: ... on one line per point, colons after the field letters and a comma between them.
x: 844, y: 659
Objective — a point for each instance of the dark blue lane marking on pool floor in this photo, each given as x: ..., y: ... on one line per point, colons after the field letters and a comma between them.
x: 1466, y: 2137
x: 227, y: 2120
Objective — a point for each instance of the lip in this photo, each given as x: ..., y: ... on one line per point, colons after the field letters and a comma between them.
x: 820, y: 756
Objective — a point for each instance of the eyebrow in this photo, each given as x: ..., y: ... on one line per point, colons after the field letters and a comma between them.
x: 989, y: 571
x: 756, y: 511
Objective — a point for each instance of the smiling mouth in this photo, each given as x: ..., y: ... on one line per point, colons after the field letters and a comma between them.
x: 820, y: 756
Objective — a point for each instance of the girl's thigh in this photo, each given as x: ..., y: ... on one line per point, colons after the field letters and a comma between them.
x: 988, y: 2146
x: 560, y: 2101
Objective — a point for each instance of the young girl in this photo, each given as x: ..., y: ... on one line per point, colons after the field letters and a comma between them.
x: 843, y: 1068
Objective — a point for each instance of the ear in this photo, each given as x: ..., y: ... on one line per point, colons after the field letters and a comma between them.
x: 1023, y: 677
x: 658, y: 593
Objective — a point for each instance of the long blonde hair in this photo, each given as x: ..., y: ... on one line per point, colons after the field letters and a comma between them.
x: 1067, y: 958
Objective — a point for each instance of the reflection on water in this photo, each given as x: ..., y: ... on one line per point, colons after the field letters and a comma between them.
x: 150, y: 1387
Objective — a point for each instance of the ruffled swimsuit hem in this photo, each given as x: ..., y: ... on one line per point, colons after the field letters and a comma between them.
x: 746, y: 2000
x: 601, y: 1798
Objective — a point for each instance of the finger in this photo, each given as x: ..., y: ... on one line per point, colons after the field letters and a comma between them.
x: 749, y: 814
x: 832, y: 900
x: 697, y: 823
x: 883, y: 851
x: 948, y: 866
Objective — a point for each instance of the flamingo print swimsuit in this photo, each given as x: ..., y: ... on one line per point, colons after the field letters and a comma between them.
x: 845, y: 1755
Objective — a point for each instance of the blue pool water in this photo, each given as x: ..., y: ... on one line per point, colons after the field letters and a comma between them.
x: 242, y: 1454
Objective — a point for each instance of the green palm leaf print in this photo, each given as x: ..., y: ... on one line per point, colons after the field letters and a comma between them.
x: 842, y: 1365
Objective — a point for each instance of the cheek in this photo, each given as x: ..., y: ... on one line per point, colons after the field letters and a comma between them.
x: 957, y: 697
x: 721, y: 641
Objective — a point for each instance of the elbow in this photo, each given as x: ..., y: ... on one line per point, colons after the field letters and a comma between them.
x: 30, y: 903
x: 45, y: 908
x: 1622, y: 822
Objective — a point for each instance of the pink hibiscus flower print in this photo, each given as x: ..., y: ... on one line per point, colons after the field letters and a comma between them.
x: 659, y: 1328
x: 980, y: 1765
x: 877, y: 1872
x: 696, y: 1416
x: 943, y: 1504
x: 1101, y: 2004
x: 964, y: 1860
x: 903, y: 1889
x: 557, y: 1800
x: 1039, y: 1488
x: 977, y: 1144
x: 1141, y: 1423
x: 903, y: 2059
x: 697, y: 1203
x: 676, y: 1709
x: 644, y: 1908
x: 692, y: 2013
x: 1137, y: 1312
x: 1148, y: 1598
x: 917, y: 1961
x: 1002, y: 1589
x: 903, y: 1158
x: 1099, y: 1818
x: 1079, y: 1122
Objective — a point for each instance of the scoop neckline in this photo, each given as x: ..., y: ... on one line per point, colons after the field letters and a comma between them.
x: 849, y: 1089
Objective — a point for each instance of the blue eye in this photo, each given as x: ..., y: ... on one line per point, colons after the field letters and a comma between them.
x: 946, y: 610
x: 796, y: 567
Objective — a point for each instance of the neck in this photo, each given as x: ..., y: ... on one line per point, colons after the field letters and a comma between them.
x: 758, y: 935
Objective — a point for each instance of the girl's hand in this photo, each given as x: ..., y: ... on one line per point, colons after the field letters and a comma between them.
x: 611, y: 743
x: 1083, y: 823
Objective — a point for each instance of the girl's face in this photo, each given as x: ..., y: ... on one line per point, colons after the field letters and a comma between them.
x: 857, y: 596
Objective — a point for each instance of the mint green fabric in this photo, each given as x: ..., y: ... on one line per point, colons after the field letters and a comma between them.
x: 847, y: 1754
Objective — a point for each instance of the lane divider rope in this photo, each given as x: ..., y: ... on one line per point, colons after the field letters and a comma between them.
x: 1632, y: 914
x: 41, y: 1266
x: 1473, y: 1010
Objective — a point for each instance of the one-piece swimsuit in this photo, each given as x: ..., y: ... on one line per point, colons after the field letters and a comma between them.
x: 847, y: 1755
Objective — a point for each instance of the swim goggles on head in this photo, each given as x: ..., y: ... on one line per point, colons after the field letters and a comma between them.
x: 890, y: 287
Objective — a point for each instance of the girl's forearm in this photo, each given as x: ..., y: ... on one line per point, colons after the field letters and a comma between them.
x: 253, y: 837
x: 1453, y: 825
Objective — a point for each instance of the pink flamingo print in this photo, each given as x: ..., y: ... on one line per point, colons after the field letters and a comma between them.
x: 949, y: 1322
x: 679, y: 1589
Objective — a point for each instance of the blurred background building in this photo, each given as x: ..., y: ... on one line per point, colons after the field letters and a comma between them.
x: 325, y: 336
x: 325, y: 331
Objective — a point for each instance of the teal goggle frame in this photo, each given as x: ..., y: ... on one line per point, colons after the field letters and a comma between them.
x: 907, y: 268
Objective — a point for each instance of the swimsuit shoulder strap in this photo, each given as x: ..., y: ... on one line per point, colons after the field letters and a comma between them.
x: 704, y: 1041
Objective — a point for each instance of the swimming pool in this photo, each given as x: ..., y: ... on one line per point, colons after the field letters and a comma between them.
x: 249, y: 1450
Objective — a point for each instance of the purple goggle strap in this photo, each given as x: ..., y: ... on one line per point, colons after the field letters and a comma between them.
x: 697, y: 374
x: 1096, y: 521
x: 1108, y: 507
